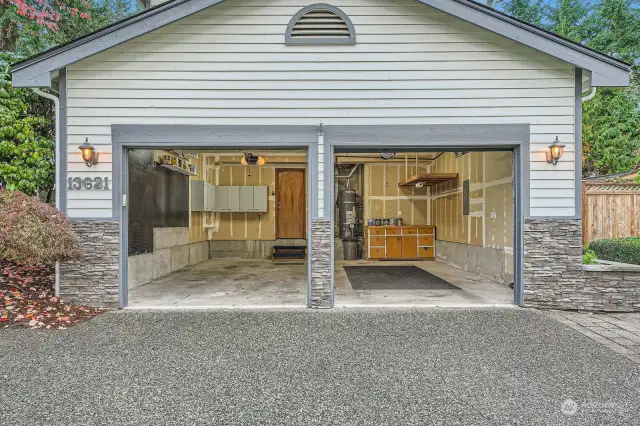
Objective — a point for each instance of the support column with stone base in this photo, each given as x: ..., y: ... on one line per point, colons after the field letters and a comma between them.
x: 320, y: 259
x: 93, y: 280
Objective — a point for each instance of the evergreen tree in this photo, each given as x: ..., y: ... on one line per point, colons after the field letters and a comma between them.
x: 614, y: 29
x: 566, y: 18
x: 28, y: 27
x: 525, y: 10
x: 611, y: 132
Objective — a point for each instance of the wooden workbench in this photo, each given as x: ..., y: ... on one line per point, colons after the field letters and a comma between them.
x: 409, y: 242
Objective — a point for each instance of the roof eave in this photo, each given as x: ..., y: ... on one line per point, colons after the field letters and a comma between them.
x: 36, y: 71
x: 604, y: 70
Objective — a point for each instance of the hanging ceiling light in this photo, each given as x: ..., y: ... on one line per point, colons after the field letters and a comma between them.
x: 252, y: 160
x: 387, y: 155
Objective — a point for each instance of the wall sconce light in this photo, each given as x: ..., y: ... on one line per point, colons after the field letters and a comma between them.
x: 252, y: 160
x: 556, y: 149
x: 89, y: 154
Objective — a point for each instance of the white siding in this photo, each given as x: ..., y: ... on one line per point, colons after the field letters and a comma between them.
x: 411, y: 65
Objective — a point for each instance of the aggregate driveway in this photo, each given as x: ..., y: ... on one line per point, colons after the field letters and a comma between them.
x: 303, y: 367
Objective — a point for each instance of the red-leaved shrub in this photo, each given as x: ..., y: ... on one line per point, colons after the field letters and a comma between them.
x: 34, y: 232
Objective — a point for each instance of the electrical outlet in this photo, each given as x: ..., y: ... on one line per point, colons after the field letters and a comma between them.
x: 399, y: 213
x: 493, y: 214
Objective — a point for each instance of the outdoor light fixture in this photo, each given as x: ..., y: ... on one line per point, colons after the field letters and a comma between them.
x: 555, y: 152
x: 251, y: 160
x: 89, y: 154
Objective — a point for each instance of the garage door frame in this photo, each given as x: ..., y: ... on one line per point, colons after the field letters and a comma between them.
x: 125, y: 137
x: 412, y: 138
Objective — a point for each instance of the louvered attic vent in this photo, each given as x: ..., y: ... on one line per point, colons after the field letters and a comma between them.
x: 320, y: 24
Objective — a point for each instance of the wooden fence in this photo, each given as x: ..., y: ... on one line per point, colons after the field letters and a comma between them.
x: 610, y: 210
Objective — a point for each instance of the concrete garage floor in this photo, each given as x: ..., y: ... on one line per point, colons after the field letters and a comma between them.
x: 225, y: 282
x: 473, y: 289
x: 310, y: 367
x: 260, y: 283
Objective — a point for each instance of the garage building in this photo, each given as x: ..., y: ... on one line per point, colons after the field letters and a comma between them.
x: 208, y: 143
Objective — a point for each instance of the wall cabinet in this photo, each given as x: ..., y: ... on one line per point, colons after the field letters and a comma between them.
x: 400, y: 242
x: 242, y: 199
x: 233, y: 199
x: 206, y: 197
x: 203, y: 196
x: 260, y: 198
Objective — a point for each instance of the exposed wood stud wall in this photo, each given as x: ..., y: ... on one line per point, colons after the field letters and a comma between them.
x: 490, y: 176
x: 384, y: 199
x: 241, y: 226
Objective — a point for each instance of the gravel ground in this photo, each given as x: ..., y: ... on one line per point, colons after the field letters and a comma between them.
x: 385, y: 366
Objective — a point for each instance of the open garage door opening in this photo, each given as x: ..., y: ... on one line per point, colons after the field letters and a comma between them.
x: 223, y: 227
x: 424, y: 228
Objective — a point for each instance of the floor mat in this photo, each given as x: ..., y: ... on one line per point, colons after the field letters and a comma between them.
x: 394, y: 278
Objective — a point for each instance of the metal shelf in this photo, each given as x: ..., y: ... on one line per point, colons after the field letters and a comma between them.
x: 178, y: 169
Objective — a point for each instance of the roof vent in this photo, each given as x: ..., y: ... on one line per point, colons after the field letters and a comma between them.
x: 320, y: 24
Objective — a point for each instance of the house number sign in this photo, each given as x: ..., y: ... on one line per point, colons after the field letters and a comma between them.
x: 91, y: 184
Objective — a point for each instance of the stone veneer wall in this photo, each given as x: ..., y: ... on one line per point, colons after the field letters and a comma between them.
x: 554, y: 277
x: 93, y: 280
x: 321, y: 263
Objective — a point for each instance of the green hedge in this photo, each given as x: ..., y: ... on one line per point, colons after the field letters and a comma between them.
x: 589, y: 257
x: 624, y: 250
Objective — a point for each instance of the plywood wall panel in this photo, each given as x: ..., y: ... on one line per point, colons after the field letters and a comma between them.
x: 383, y: 198
x: 376, y: 209
x: 490, y: 176
x: 498, y: 166
x: 392, y: 175
x: 376, y: 180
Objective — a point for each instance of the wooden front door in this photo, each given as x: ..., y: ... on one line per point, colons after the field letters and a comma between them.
x: 291, y: 206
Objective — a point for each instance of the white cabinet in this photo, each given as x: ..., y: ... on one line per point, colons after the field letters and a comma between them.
x: 233, y: 198
x: 260, y: 198
x: 203, y: 196
x: 210, y: 197
x: 244, y: 199
x: 221, y: 199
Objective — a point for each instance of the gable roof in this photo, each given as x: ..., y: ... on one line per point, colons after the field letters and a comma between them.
x: 37, y: 70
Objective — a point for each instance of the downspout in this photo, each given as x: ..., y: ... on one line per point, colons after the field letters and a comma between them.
x: 591, y: 94
x: 56, y: 103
